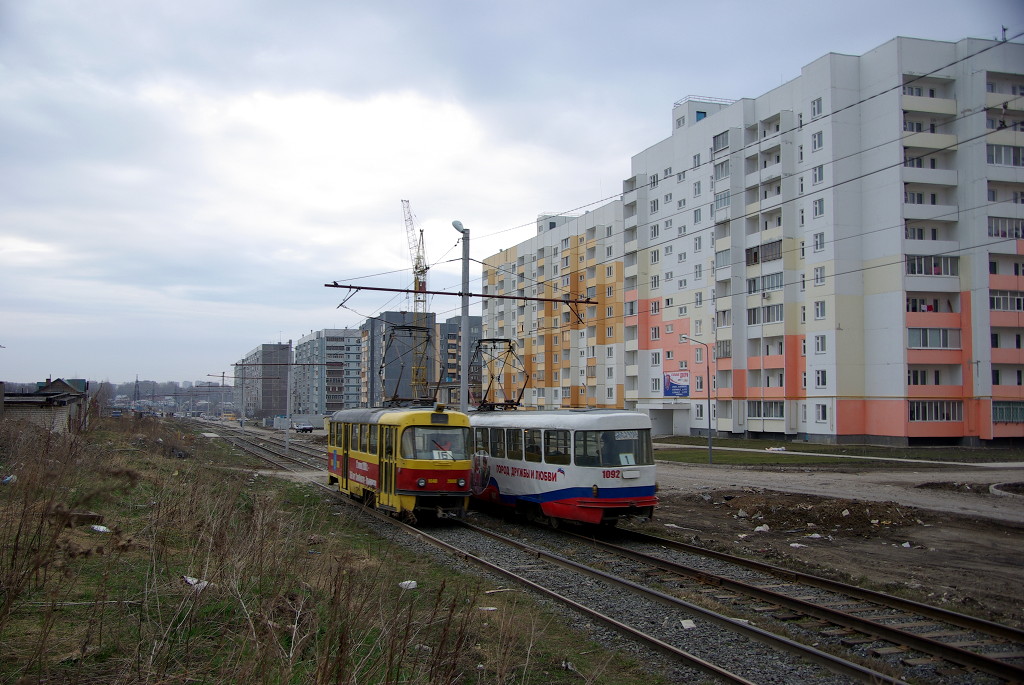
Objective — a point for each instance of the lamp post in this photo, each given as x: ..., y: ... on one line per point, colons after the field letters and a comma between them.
x: 707, y: 372
x: 464, y: 333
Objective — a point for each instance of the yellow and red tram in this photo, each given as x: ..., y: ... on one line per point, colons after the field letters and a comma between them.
x: 403, y: 460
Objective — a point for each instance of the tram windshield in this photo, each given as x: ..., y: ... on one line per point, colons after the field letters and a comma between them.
x: 628, y: 447
x: 428, y: 442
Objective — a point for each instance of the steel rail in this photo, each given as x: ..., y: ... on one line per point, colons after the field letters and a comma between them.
x: 958, y: 655
x: 980, y: 625
x: 833, y: 663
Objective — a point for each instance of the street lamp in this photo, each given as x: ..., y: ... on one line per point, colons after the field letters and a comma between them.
x: 707, y: 371
x: 463, y: 357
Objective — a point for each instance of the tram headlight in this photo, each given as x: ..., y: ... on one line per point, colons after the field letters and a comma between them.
x: 462, y: 482
x: 422, y: 482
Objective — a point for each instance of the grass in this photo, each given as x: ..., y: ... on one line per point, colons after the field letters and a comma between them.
x: 210, y: 573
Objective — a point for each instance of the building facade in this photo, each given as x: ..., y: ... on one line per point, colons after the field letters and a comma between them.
x: 838, y: 260
x: 398, y: 360
x: 325, y: 377
x: 261, y: 381
x: 449, y: 372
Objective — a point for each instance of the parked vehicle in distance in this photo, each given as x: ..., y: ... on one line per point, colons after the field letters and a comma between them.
x: 302, y: 427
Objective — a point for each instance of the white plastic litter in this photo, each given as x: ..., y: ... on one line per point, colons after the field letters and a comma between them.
x: 796, y: 544
x: 846, y: 512
x: 688, y: 624
x: 408, y: 585
x: 487, y: 608
x: 905, y: 544
x: 197, y: 585
x: 763, y: 528
x: 100, y: 529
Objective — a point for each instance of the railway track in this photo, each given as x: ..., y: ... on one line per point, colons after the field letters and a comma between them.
x: 873, y: 624
x: 274, y: 451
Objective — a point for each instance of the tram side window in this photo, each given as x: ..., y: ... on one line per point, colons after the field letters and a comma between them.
x: 498, y: 443
x: 364, y: 437
x: 629, y: 447
x: 353, y: 432
x: 389, y: 440
x: 533, y: 444
x: 480, y: 444
x: 588, y: 448
x: 514, y: 443
x: 372, y: 442
x: 556, y: 447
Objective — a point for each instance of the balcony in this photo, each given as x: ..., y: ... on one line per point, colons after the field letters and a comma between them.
x: 1005, y: 282
x: 997, y: 100
x: 935, y: 177
x: 930, y: 141
x: 1006, y: 136
x: 917, y: 103
x: 923, y: 212
x: 1007, y: 355
x: 939, y: 392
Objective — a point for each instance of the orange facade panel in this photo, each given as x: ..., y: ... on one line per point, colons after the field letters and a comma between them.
x: 936, y: 356
x: 933, y: 320
x: 936, y: 392
x: 871, y: 417
x: 1006, y: 319
x: 1003, y: 355
x: 1005, y: 282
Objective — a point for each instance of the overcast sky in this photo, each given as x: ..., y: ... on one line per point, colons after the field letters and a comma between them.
x: 178, y: 179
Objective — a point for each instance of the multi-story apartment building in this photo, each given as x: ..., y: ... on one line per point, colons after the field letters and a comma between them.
x: 449, y: 341
x: 325, y: 377
x: 261, y: 381
x: 571, y: 354
x: 398, y: 359
x: 838, y: 259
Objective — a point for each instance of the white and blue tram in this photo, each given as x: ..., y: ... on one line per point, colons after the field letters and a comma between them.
x: 587, y: 465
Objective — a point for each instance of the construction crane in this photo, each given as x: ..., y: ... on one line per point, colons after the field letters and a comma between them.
x: 419, y: 264
x: 419, y: 331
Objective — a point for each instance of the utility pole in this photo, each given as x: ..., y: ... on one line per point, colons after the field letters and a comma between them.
x: 464, y: 324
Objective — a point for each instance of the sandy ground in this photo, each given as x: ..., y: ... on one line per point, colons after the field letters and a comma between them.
x: 935, y: 534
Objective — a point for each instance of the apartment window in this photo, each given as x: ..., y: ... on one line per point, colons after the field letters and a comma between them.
x: 655, y: 333
x: 608, y: 253
x: 818, y: 207
x: 817, y: 141
x: 655, y: 282
x: 669, y: 354
x: 722, y: 170
x: 721, y: 200
x: 698, y: 271
x: 698, y: 355
x: 696, y: 244
x: 801, y: 215
x: 655, y: 256
x: 656, y: 384
x: 720, y: 142
x: 932, y: 265
x: 654, y: 205
x: 655, y: 306
x: 697, y: 216
x: 933, y: 338
x: 815, y: 108
x: 655, y: 229
x: 696, y: 188
x: 821, y: 413
x: 1005, y: 301
x: 820, y: 378
x: 698, y: 383
x: 696, y: 160
x: 698, y: 327
x: 819, y: 309
x: 654, y: 180
x: 655, y: 358
x: 680, y: 176
x: 680, y: 122
x: 800, y: 151
x: 698, y: 299
x: 936, y: 410
x: 819, y: 344
x: 819, y: 275
x: 1005, y: 155
x: 818, y: 174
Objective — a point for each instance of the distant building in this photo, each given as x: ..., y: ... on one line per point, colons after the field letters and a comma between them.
x: 57, y: 405
x: 398, y: 358
x: 449, y: 342
x: 325, y: 377
x: 261, y: 381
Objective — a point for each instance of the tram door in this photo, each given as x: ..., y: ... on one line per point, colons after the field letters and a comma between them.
x: 387, y: 467
x: 343, y: 442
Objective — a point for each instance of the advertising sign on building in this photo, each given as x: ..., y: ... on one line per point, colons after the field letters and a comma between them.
x: 677, y: 384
